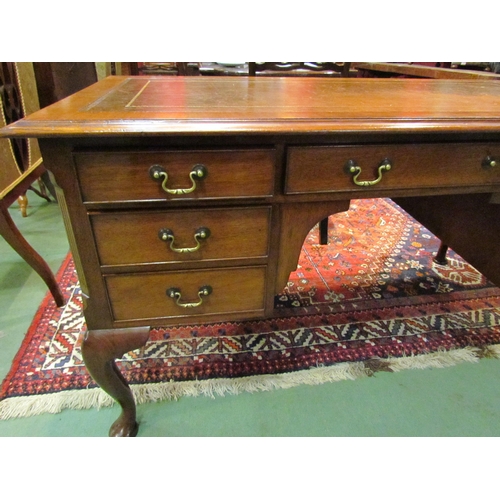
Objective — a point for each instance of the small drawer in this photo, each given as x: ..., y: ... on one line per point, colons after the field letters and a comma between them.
x: 149, y: 296
x: 175, y: 175
x: 143, y: 237
x: 351, y: 168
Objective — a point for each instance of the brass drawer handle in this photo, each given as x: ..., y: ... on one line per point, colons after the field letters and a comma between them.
x: 489, y: 162
x: 175, y: 293
x: 168, y: 235
x: 353, y: 168
x: 198, y: 172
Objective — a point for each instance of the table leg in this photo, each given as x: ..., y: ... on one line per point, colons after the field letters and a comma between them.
x: 323, y: 231
x: 17, y: 241
x: 440, y: 257
x: 100, y: 348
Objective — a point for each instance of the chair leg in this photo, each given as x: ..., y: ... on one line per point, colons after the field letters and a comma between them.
x: 17, y: 241
x: 47, y: 182
x: 323, y: 232
x: 23, y: 204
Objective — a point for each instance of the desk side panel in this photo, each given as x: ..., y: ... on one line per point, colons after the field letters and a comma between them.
x: 58, y: 160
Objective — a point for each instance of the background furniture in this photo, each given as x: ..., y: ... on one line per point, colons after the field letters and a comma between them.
x: 57, y: 80
x: 161, y: 68
x: 15, y: 181
x: 327, y: 69
x: 428, y: 70
x: 18, y: 92
x: 299, y: 69
x: 223, y: 69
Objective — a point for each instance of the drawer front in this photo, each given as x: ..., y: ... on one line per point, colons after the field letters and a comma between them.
x: 327, y: 169
x: 181, y: 235
x: 144, y: 296
x: 127, y: 176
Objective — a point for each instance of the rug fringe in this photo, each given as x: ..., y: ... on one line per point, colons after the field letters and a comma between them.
x: 256, y: 383
x: 440, y: 359
x: 25, y: 406
x: 315, y: 376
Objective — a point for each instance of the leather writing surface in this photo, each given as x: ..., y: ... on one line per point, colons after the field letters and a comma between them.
x: 199, y: 105
x: 286, y: 98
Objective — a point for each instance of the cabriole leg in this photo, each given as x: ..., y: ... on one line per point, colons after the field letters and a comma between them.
x: 17, y: 241
x: 100, y: 348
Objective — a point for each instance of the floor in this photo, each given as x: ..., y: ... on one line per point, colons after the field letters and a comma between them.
x: 460, y: 401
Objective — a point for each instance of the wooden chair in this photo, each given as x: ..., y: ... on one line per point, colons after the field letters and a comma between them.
x: 18, y: 90
x: 223, y: 69
x: 162, y: 68
x: 14, y: 182
x: 327, y: 69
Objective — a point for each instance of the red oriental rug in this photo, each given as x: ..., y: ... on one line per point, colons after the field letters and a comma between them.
x: 370, y: 300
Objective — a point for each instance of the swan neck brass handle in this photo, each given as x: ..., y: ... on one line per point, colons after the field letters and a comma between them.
x: 201, y: 234
x: 175, y: 294
x: 489, y: 162
x: 353, y: 168
x: 158, y: 173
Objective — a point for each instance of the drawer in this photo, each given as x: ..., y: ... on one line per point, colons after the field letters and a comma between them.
x: 127, y: 176
x: 181, y: 235
x: 144, y: 296
x: 326, y: 169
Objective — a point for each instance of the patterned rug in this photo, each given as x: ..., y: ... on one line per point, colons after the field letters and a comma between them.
x: 370, y: 300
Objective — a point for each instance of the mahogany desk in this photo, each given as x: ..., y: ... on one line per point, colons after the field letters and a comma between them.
x: 187, y: 199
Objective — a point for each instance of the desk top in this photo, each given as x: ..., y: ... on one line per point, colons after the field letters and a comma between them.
x: 237, y: 105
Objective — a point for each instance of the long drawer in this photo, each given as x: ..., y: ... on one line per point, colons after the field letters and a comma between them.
x: 186, y: 293
x: 175, y: 175
x: 124, y: 238
x: 350, y: 168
